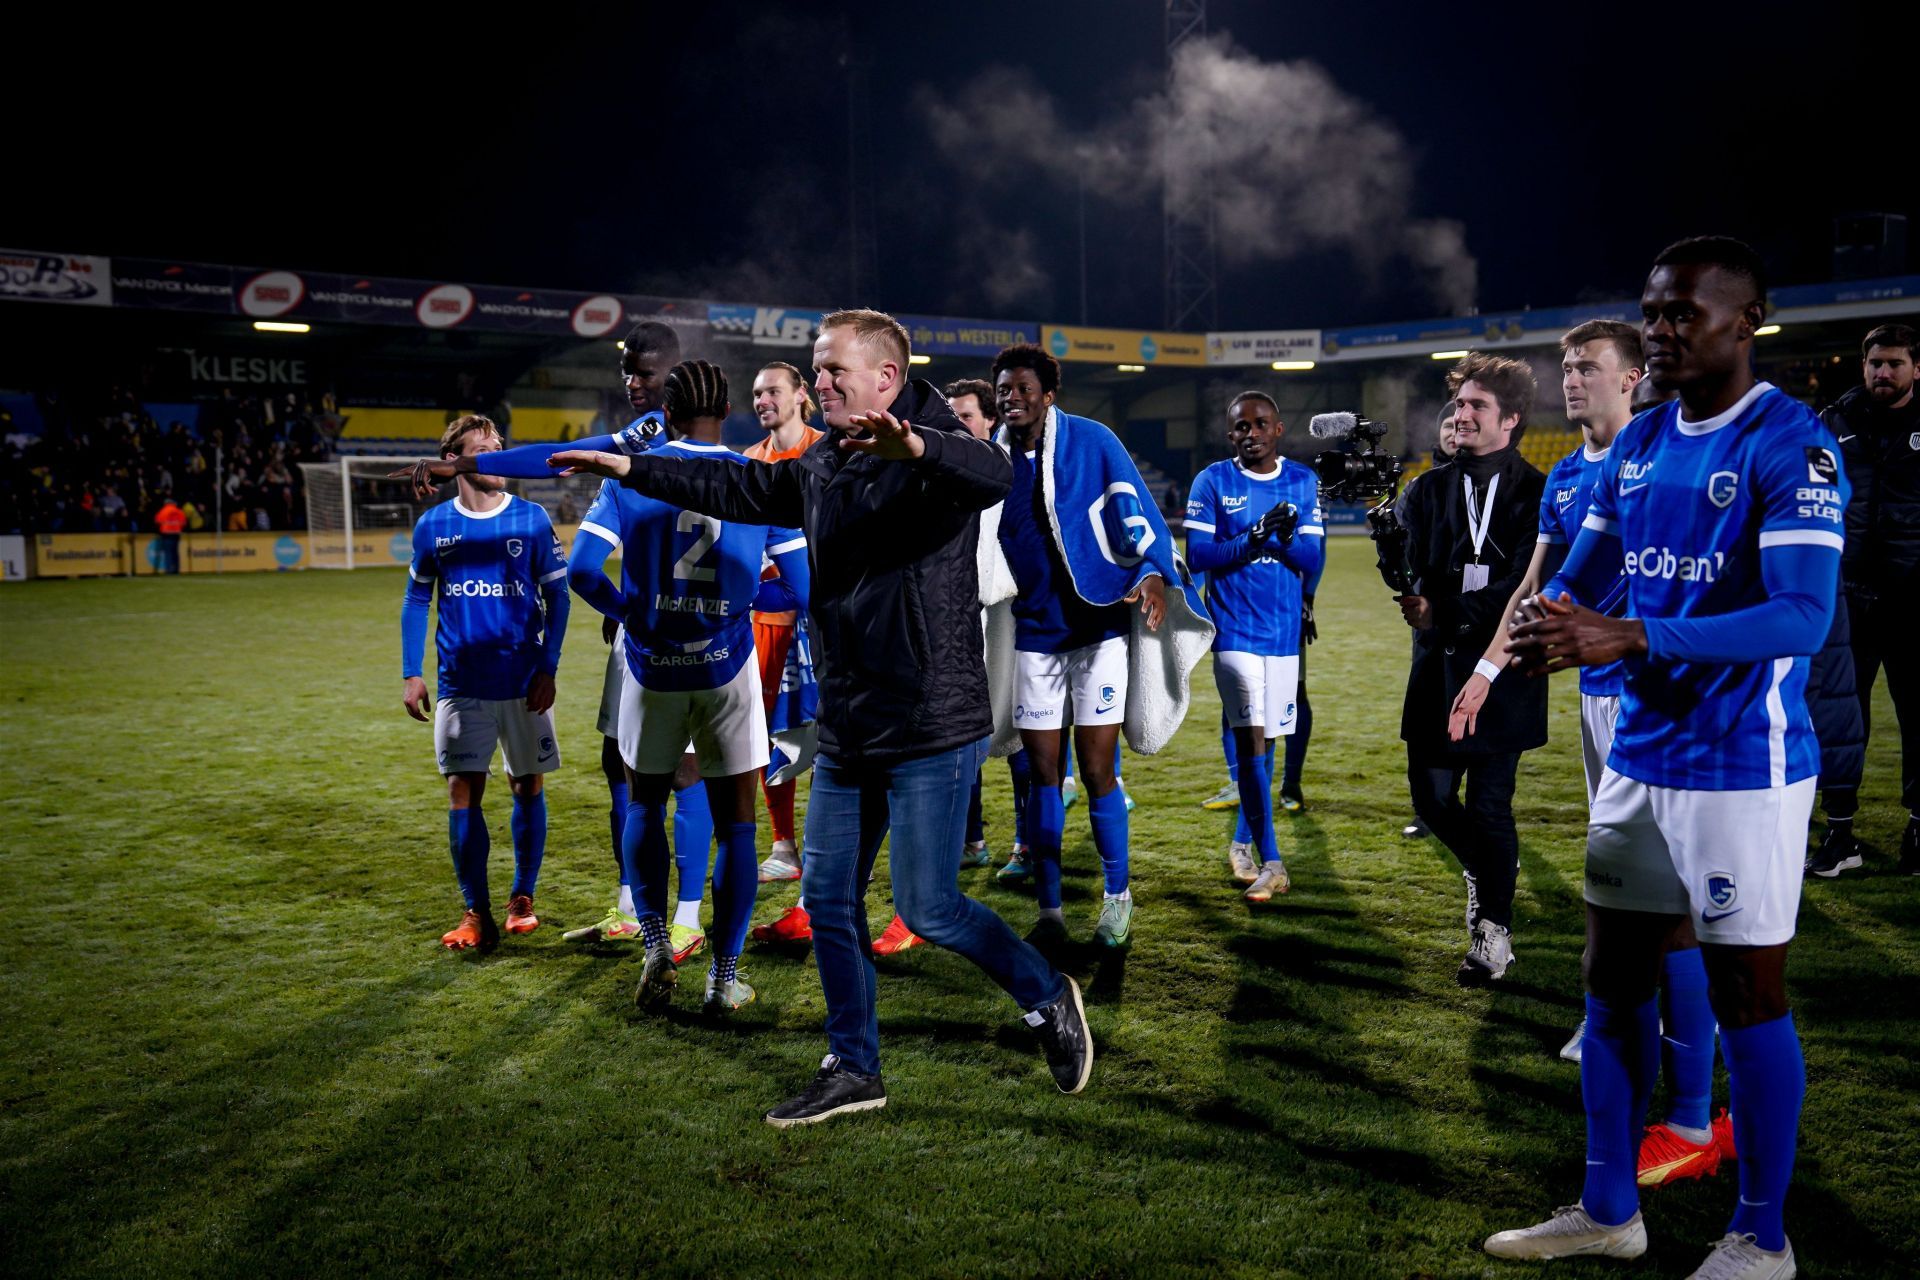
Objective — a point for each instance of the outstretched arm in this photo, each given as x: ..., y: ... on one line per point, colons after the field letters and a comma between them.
x: 587, y: 569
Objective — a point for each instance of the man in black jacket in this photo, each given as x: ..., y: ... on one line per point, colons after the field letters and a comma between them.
x: 889, y: 500
x: 1878, y: 427
x: 1473, y: 523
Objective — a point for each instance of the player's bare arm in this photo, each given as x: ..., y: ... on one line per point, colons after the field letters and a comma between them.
x: 1465, y: 715
x: 614, y: 466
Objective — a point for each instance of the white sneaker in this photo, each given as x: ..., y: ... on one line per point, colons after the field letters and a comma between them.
x: 1570, y: 1233
x: 783, y: 863
x: 1271, y: 880
x: 1488, y: 958
x: 1246, y: 867
x: 1571, y: 1049
x: 1736, y: 1256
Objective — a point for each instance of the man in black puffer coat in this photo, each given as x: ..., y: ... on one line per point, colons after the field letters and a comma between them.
x: 1877, y: 425
x: 889, y: 500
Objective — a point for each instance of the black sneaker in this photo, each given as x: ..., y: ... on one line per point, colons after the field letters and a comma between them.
x: 658, y: 977
x: 1838, y: 851
x: 1068, y: 1044
x: 1415, y: 830
x: 1910, y: 850
x: 1047, y: 932
x: 833, y: 1091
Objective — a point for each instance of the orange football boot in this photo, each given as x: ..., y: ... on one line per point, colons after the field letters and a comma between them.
x: 1667, y: 1157
x: 794, y: 927
x: 897, y: 938
x: 474, y: 930
x: 520, y: 917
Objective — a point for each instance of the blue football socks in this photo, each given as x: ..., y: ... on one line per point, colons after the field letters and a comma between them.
x: 529, y: 823
x: 616, y: 823
x: 736, y: 882
x: 1618, y: 1059
x: 1109, y: 815
x: 1020, y: 771
x: 469, y: 843
x: 693, y: 840
x: 1686, y: 1048
x: 1767, y: 1079
x: 1046, y: 822
x: 644, y: 848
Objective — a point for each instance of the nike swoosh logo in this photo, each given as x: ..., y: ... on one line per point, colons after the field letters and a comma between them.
x: 1707, y: 919
x: 1634, y: 488
x: 1844, y: 439
x: 1754, y: 1204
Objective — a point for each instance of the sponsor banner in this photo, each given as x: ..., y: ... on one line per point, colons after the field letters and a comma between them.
x: 1124, y: 346
x: 951, y: 336
x: 208, y: 552
x: 81, y: 555
x: 28, y: 276
x: 13, y: 558
x: 321, y: 296
x: 1263, y: 346
x: 763, y: 326
x: 371, y: 548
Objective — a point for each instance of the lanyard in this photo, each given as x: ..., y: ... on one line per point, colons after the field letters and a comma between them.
x: 1478, y: 524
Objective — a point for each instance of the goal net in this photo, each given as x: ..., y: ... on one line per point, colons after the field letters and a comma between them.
x: 358, y: 518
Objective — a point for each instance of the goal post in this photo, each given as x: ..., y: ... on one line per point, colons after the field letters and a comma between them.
x: 357, y: 518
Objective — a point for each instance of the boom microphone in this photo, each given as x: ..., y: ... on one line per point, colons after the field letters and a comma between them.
x: 1332, y: 426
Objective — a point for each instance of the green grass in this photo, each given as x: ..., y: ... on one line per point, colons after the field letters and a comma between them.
x: 233, y: 1045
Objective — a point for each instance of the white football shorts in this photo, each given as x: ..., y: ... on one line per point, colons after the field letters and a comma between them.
x: 728, y: 725
x: 1730, y: 860
x: 466, y: 730
x: 609, y: 721
x: 1258, y: 691
x: 1597, y: 716
x: 1095, y: 677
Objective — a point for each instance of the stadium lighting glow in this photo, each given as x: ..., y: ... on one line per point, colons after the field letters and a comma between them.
x: 281, y: 326
x: 1131, y: 368
x: 1449, y: 355
x: 919, y: 359
x: 1292, y: 366
x: 620, y: 343
x: 1766, y: 331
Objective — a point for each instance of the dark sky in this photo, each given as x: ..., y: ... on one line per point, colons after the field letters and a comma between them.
x: 702, y: 149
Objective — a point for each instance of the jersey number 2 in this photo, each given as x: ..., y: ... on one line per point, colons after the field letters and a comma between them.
x: 688, y: 566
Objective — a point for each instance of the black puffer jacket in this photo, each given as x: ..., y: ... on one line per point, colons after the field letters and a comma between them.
x: 1881, y: 450
x: 894, y: 603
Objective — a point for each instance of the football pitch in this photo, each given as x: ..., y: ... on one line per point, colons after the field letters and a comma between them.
x: 236, y: 1047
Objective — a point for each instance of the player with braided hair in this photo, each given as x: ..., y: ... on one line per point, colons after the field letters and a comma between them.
x: 689, y: 581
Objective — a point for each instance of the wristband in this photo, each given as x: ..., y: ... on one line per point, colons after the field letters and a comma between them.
x: 1491, y: 670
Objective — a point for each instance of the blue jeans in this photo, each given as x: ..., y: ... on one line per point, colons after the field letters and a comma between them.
x: 848, y: 814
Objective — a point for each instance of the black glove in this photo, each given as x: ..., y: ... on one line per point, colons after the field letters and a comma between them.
x: 1277, y: 523
x: 1308, y: 632
x: 608, y: 629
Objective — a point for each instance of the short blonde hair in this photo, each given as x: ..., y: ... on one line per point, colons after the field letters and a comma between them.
x: 460, y: 428
x: 875, y: 327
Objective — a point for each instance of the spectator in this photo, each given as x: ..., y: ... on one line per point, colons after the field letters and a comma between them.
x: 169, y: 520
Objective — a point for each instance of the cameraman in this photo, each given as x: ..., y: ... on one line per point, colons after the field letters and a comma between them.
x: 1471, y: 527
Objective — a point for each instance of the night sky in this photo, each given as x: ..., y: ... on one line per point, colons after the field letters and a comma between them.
x: 702, y: 149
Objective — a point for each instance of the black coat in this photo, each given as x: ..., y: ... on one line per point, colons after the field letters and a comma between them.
x: 895, y: 601
x: 1881, y: 450
x: 1434, y: 510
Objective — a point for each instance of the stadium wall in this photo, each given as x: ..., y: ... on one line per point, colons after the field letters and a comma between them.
x: 119, y: 555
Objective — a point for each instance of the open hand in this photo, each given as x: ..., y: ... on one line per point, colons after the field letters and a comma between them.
x: 885, y: 436
x: 1465, y: 716
x: 614, y: 466
x: 414, y: 698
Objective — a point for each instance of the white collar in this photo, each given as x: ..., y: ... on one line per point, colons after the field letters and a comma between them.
x: 700, y: 445
x: 1722, y: 418
x: 1592, y: 455
x: 471, y: 514
x: 1258, y: 478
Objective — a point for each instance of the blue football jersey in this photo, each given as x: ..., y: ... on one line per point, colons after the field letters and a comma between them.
x: 688, y: 579
x: 1048, y: 614
x: 1563, y: 506
x: 640, y: 435
x: 1255, y: 606
x: 1693, y: 505
x: 486, y: 571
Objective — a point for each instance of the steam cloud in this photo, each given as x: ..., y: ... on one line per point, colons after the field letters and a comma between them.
x: 1294, y: 163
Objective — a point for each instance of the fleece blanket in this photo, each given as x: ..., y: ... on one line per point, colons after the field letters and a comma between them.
x: 1110, y: 536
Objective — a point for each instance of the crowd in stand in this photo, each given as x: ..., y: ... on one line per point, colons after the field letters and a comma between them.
x: 105, y: 464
